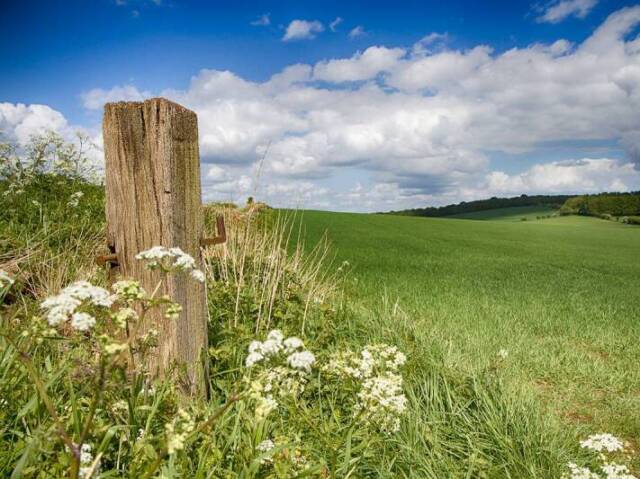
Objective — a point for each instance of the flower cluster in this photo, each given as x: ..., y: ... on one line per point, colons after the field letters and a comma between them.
x: 375, y: 371
x: 286, y: 365
x: 87, y: 468
x: 604, y: 444
x: 178, y: 431
x: 79, y: 295
x: 171, y: 260
x: 281, y: 452
x: 129, y: 290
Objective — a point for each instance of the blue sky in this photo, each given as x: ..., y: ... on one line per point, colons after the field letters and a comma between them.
x: 338, y: 135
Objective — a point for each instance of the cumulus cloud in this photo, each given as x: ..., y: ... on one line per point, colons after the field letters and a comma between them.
x: 586, y: 175
x: 95, y: 98
x: 20, y: 122
x: 420, y: 125
x: 558, y: 10
x: 262, y: 21
x: 361, y: 66
x: 302, y: 30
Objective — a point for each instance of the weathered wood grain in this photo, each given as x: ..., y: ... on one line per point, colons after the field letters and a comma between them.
x: 153, y: 198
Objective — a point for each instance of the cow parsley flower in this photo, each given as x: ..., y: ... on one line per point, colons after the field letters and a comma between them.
x: 82, y: 321
x: 64, y: 304
x: 617, y: 471
x: 85, y: 291
x: 374, y: 372
x: 198, y: 275
x: 301, y: 360
x: 253, y: 358
x: 265, y: 445
x: 578, y: 472
x: 602, y: 442
x: 171, y: 260
x: 124, y: 316
x: 291, y: 344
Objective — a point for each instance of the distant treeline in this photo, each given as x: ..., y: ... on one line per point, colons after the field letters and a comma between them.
x: 604, y: 205
x: 491, y: 204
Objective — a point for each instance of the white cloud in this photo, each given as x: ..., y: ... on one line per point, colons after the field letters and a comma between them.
x: 19, y: 122
x: 96, y: 98
x: 262, y: 21
x: 357, y: 32
x: 558, y: 10
x: 302, y: 30
x: 361, y: 66
x: 571, y: 176
x: 334, y: 24
x: 420, y: 125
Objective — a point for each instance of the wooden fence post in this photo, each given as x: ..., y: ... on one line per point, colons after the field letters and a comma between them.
x: 153, y: 198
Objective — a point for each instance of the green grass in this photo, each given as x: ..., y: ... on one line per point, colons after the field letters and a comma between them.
x: 515, y: 213
x: 561, y: 295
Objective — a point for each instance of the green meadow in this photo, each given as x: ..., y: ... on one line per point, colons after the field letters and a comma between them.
x: 561, y: 295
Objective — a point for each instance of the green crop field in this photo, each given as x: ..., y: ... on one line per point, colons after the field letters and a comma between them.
x: 561, y: 295
x: 515, y: 213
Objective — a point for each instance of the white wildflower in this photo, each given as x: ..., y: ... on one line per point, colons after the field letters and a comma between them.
x: 502, y: 354
x: 271, y: 347
x: 578, y: 472
x: 255, y: 347
x: 198, y: 275
x: 602, y: 442
x: 265, y: 445
x: 125, y: 315
x: 171, y: 260
x: 82, y: 321
x: 291, y: 344
x: 617, y: 471
x: 275, y: 335
x: 85, y: 291
x: 301, y: 360
x: 61, y: 306
x: 253, y: 358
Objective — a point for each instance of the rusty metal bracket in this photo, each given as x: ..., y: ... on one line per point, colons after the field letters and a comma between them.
x: 111, y: 259
x: 222, y: 234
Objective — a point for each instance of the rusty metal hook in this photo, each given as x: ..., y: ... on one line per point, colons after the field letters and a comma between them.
x: 222, y: 234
